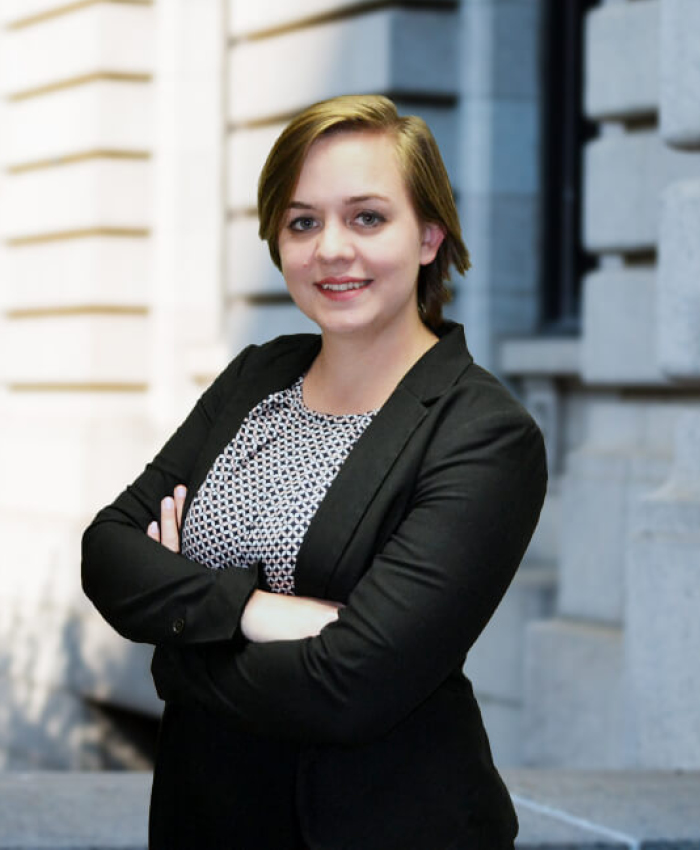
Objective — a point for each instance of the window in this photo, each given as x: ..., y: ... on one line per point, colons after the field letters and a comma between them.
x: 565, y: 131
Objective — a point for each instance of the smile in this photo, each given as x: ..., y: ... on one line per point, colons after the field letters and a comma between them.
x: 343, y: 287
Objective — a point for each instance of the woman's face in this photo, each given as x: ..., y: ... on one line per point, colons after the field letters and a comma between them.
x: 351, y: 244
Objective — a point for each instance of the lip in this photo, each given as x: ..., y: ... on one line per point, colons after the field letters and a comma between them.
x: 339, y: 280
x: 342, y: 294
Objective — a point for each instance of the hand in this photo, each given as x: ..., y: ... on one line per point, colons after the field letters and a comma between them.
x: 266, y: 616
x: 274, y: 616
x: 168, y: 532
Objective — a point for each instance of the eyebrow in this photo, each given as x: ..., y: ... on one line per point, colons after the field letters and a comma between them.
x: 354, y: 199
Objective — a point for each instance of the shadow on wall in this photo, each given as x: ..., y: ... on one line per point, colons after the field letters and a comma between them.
x: 73, y: 695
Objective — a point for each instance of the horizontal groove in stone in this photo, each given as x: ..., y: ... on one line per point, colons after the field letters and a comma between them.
x: 90, y: 387
x: 350, y: 11
x: 83, y: 79
x: 77, y: 310
x: 81, y: 156
x: 67, y: 9
x: 86, y: 233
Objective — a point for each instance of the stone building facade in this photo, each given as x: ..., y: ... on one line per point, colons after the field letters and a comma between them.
x: 131, y: 136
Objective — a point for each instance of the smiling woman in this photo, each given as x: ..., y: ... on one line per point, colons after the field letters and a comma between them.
x: 316, y: 548
x: 351, y: 246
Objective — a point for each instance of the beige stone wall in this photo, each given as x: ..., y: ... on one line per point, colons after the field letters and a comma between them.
x: 110, y: 280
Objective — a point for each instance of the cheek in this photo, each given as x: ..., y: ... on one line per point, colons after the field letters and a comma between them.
x: 294, y: 257
x: 395, y: 251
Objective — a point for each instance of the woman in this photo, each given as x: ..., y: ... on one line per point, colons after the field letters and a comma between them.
x: 371, y: 491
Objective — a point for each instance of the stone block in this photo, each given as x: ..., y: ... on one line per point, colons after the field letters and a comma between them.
x: 248, y: 322
x: 12, y: 11
x: 495, y: 662
x: 76, y: 349
x: 619, y: 328
x: 502, y: 233
x: 74, y: 811
x: 544, y: 546
x: 644, y: 810
x: 488, y: 317
x: 678, y: 321
x: 402, y: 50
x: 624, y: 177
x: 513, y: 313
x: 503, y: 138
x: 40, y: 728
x: 680, y: 73
x: 247, y: 150
x: 622, y: 60
x: 244, y: 19
x: 102, y: 116
x: 99, y: 271
x: 503, y: 723
x: 598, y: 489
x: 500, y: 59
x: 573, y: 695
x: 249, y: 269
x: 662, y: 636
x: 109, y: 669
x: 557, y: 810
x: 541, y: 356
x: 88, y: 455
x: 542, y: 829
x: 116, y: 37
x: 543, y: 399
x: 90, y: 194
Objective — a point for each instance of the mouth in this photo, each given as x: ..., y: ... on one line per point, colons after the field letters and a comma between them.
x: 342, y: 284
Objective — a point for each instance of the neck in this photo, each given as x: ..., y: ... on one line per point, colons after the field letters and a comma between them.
x: 355, y: 374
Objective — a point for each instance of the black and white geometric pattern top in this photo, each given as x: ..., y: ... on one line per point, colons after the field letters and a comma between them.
x: 263, y: 490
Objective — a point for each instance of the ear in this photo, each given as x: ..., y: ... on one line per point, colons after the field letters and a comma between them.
x: 433, y: 234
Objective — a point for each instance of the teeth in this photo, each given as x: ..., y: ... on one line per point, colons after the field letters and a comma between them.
x: 342, y: 287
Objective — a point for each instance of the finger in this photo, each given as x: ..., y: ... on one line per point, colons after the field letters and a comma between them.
x: 153, y: 531
x: 169, y: 536
x: 179, y: 494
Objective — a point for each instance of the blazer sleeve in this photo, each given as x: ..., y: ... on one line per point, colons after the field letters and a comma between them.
x: 143, y: 590
x: 411, y: 618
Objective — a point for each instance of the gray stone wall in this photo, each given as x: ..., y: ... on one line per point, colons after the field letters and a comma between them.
x: 611, y: 681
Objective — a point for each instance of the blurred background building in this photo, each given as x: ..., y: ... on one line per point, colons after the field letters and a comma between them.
x: 131, y: 137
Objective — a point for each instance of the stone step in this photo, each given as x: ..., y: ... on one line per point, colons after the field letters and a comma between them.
x: 558, y: 810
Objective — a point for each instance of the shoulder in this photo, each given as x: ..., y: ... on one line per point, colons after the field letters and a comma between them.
x: 455, y: 386
x: 475, y: 411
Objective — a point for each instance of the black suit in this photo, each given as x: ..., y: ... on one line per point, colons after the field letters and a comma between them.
x: 368, y: 734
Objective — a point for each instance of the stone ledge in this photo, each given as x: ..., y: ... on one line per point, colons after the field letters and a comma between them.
x: 540, y: 356
x: 558, y: 810
x: 639, y: 810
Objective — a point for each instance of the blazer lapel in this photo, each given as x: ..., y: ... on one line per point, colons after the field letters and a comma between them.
x: 370, y: 460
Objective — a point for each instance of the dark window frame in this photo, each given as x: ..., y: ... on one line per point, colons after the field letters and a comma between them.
x: 564, y: 133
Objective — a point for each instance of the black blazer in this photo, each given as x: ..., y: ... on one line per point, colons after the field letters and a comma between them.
x: 371, y: 727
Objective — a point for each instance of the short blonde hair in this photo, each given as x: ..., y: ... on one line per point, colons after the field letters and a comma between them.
x: 419, y: 159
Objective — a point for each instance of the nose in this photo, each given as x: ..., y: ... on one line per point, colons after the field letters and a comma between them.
x: 334, y: 242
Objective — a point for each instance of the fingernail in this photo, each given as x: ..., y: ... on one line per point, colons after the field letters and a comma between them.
x: 180, y: 490
x: 168, y: 502
x: 153, y: 526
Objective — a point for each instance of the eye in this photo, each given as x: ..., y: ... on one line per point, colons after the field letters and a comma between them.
x: 369, y: 218
x: 302, y: 223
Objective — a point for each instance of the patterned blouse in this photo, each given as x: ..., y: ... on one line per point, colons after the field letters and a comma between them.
x: 263, y: 490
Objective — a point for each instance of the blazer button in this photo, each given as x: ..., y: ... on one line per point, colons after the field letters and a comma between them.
x: 178, y: 625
